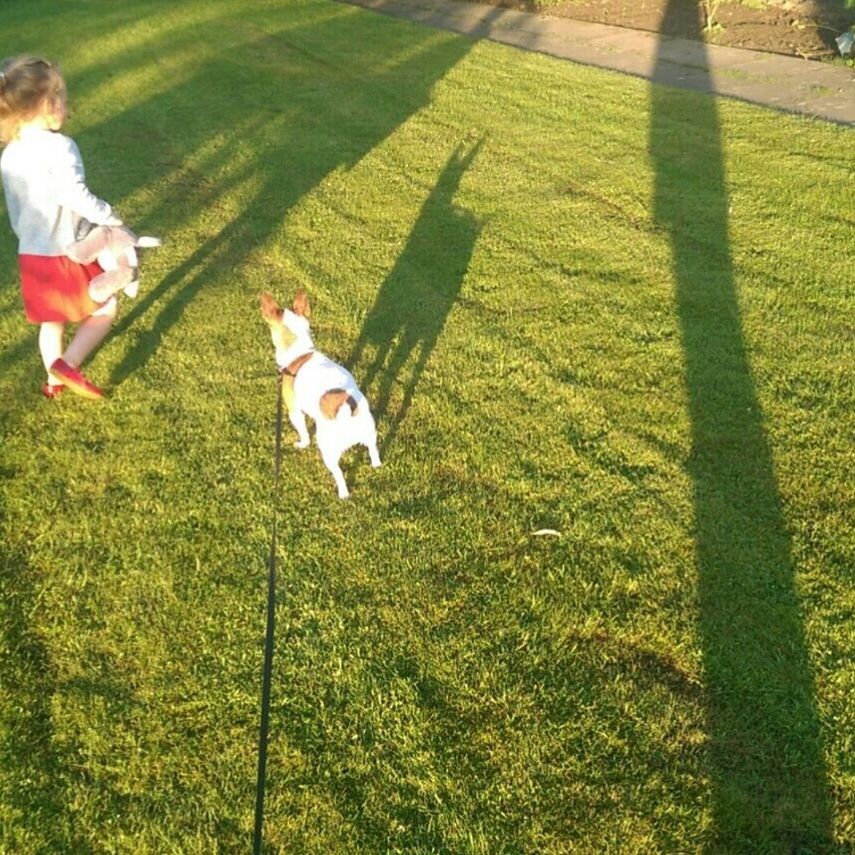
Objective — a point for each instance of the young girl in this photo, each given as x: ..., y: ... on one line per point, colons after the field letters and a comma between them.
x: 46, y: 198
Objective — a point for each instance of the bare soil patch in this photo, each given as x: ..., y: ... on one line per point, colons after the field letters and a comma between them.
x: 805, y: 28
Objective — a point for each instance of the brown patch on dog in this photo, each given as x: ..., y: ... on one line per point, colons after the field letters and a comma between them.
x: 300, y: 306
x: 332, y: 402
x: 270, y: 309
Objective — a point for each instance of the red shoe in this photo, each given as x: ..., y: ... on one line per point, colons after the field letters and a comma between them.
x: 75, y: 381
x: 52, y: 390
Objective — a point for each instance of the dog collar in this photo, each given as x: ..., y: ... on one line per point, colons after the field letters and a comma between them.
x: 295, y: 365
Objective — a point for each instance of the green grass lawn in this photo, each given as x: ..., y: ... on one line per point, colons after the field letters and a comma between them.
x: 577, y: 302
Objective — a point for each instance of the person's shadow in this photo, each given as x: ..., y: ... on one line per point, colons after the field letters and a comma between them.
x: 769, y: 786
x: 413, y: 303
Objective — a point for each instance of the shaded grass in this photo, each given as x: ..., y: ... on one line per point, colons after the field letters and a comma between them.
x: 477, y: 230
x: 770, y: 780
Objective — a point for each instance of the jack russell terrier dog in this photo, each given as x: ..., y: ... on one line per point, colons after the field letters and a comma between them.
x: 313, y: 385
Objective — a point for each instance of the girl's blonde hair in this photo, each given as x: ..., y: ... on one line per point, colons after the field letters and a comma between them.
x: 26, y: 82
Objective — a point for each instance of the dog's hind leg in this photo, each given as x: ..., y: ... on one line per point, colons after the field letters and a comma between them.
x: 369, y: 439
x: 331, y: 461
x: 373, y: 453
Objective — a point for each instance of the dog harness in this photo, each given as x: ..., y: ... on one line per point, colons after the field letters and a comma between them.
x: 295, y: 365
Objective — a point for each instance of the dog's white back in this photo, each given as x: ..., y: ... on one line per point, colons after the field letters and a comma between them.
x: 320, y: 372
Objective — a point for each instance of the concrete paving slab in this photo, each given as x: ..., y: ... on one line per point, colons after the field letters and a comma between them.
x: 785, y: 83
x: 684, y: 77
x: 759, y: 65
x: 684, y: 52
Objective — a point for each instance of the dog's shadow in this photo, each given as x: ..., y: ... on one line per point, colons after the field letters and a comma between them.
x: 413, y: 302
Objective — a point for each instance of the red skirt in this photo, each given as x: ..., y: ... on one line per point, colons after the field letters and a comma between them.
x: 55, y: 288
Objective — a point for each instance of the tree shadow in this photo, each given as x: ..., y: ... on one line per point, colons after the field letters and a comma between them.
x: 770, y: 792
x: 308, y: 144
x: 413, y: 302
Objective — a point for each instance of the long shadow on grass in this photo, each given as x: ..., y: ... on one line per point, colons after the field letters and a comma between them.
x: 317, y: 119
x: 769, y: 781
x: 413, y: 302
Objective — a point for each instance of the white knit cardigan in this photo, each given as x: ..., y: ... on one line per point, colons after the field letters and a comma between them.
x: 46, y: 192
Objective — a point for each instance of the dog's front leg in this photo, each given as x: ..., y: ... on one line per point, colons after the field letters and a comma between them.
x: 299, y: 421
x: 295, y: 414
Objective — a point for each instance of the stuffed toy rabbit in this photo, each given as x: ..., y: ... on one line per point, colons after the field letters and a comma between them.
x: 115, y: 249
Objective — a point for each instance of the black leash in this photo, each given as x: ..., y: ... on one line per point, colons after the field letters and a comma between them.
x: 268, y: 641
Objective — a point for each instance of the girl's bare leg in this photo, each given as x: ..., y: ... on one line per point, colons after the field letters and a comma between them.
x: 89, y: 334
x: 50, y: 346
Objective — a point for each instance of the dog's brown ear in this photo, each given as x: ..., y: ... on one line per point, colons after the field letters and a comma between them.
x: 270, y: 309
x: 301, y: 304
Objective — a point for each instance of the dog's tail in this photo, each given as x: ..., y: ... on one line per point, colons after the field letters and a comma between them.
x: 332, y: 404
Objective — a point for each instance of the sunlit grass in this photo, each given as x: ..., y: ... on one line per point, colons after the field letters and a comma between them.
x: 481, y: 233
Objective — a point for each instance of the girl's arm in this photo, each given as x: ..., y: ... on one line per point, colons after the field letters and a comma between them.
x: 70, y: 185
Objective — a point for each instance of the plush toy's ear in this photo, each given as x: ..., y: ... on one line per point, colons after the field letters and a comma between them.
x: 121, y: 238
x: 270, y: 309
x: 300, y: 306
x: 86, y: 250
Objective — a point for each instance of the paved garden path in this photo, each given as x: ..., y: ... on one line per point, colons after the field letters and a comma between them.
x: 785, y: 83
